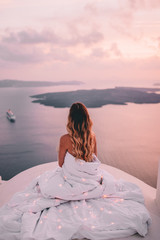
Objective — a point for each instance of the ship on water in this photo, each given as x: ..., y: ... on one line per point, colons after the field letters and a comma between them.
x: 11, y: 117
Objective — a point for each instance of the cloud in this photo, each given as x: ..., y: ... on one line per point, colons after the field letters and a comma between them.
x: 111, y: 52
x: 122, y: 17
x: 98, y: 29
x: 31, y: 36
x: 30, y: 45
x: 115, y: 50
x: 91, y: 8
x: 142, y: 4
x: 90, y: 38
x: 99, y: 53
x: 118, y: 17
x: 119, y: 12
x: 33, y: 54
x: 158, y: 39
x: 15, y: 54
x: 60, y: 54
x: 123, y: 31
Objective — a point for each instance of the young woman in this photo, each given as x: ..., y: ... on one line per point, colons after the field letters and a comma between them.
x: 80, y: 140
x: 77, y: 200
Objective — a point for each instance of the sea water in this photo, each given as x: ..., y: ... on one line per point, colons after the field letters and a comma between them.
x: 128, y: 136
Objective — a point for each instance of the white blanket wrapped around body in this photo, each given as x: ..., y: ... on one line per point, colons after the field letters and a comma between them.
x: 79, y: 200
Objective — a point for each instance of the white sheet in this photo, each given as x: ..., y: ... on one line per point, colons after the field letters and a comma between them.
x: 70, y: 202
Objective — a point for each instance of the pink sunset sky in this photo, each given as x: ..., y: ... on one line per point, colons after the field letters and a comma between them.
x: 94, y: 41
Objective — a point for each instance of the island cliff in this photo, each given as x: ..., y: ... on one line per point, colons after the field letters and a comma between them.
x: 98, y: 97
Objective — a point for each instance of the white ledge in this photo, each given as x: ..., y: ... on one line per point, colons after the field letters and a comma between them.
x: 20, y: 181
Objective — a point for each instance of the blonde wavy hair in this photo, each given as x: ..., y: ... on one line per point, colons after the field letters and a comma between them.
x: 79, y: 127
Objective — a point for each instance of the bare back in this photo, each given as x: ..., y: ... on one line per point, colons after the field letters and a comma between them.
x: 65, y: 145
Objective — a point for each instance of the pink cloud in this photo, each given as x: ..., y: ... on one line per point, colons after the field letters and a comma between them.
x: 21, y: 55
x: 30, y: 45
x: 143, y: 4
x: 31, y: 36
x: 122, y: 31
x: 91, y: 8
x: 60, y: 54
x: 84, y: 39
x: 100, y: 53
x: 115, y: 49
x: 158, y: 39
x: 118, y: 17
x: 32, y: 54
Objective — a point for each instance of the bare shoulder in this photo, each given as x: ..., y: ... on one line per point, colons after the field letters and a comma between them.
x: 64, y: 139
x: 95, y: 143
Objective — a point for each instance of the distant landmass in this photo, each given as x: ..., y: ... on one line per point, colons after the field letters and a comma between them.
x: 157, y: 84
x: 98, y: 97
x: 18, y: 83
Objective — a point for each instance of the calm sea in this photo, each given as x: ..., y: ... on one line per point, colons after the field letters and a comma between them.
x: 128, y: 137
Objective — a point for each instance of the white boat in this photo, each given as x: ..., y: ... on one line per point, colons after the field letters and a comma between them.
x: 10, y: 115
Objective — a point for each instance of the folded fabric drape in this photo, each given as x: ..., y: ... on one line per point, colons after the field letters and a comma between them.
x: 79, y: 200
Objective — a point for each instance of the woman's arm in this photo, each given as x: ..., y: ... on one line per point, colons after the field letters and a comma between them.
x: 62, y: 150
x: 95, y: 145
